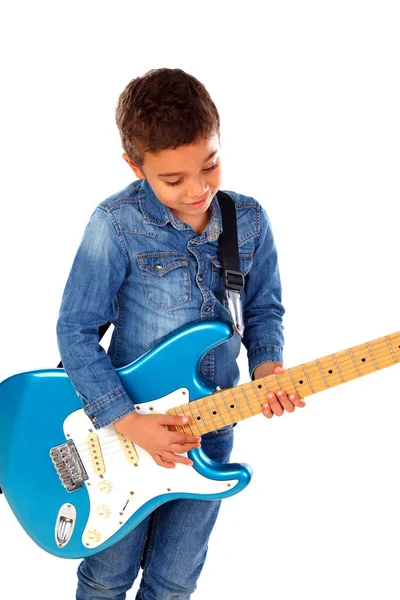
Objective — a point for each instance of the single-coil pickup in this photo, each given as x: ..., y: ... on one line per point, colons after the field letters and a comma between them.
x: 129, y: 449
x: 95, y: 453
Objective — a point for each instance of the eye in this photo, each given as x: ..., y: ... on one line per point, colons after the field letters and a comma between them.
x: 214, y: 166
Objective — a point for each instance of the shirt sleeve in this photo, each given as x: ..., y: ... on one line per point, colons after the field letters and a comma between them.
x: 98, y: 271
x: 263, y: 309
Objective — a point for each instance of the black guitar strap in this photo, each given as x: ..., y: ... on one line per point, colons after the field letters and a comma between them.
x: 229, y: 248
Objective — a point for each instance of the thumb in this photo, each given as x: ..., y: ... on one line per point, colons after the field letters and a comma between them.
x: 278, y: 368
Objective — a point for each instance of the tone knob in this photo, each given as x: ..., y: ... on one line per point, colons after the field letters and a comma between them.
x: 93, y: 535
x: 104, y: 486
x: 103, y: 512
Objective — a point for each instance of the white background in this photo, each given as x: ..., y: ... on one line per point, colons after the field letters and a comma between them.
x: 309, y: 96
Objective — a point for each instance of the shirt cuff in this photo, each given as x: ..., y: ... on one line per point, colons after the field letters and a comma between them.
x: 109, y: 408
x: 262, y: 354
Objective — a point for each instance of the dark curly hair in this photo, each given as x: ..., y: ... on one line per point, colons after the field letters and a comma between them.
x: 164, y: 108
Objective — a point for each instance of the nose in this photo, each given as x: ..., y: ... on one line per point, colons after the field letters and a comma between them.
x: 198, y: 192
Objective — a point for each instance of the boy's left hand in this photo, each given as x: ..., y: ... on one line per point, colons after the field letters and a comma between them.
x: 276, y: 404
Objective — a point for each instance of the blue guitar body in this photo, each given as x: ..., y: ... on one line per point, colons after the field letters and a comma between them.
x: 76, y: 490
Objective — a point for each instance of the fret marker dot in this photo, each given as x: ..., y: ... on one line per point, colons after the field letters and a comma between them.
x: 260, y: 386
x: 198, y: 418
x: 330, y: 371
x: 214, y: 412
x: 363, y: 359
x: 232, y: 406
x: 301, y: 381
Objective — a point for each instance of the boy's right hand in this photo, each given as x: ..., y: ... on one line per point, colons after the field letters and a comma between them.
x: 151, y: 434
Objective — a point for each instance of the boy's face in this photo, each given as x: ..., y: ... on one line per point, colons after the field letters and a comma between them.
x: 184, y: 179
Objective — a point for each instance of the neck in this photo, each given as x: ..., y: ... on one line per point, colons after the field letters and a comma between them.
x: 243, y: 401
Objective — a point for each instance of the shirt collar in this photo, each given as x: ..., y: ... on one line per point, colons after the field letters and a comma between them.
x: 157, y: 213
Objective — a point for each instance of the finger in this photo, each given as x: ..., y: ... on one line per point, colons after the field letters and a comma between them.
x: 181, y: 448
x: 184, y: 438
x: 286, y: 403
x: 172, y: 421
x: 175, y: 458
x: 267, y: 412
x: 296, y: 400
x: 275, y: 405
x: 162, y: 463
x: 278, y: 369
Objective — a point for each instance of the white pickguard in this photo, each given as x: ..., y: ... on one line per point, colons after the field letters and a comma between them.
x: 109, y: 494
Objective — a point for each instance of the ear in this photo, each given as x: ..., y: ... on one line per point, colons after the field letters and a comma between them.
x: 133, y: 166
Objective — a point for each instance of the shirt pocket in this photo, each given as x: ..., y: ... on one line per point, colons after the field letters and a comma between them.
x: 217, y: 280
x: 165, y: 277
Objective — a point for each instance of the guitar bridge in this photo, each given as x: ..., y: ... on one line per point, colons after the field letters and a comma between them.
x: 69, y: 466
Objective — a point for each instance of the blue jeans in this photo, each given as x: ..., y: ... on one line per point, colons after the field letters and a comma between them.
x: 170, y: 545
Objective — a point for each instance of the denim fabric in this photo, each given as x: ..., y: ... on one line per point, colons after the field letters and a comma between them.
x: 171, y: 546
x: 142, y: 268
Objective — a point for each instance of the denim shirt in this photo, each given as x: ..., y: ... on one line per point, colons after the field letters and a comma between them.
x: 148, y: 273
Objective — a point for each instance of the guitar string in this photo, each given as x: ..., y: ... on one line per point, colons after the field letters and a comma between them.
x: 118, y: 450
x: 343, y: 369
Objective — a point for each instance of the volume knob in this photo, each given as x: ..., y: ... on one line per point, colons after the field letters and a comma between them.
x: 103, y: 512
x: 93, y: 535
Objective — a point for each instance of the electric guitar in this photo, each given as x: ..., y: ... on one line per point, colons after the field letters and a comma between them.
x: 77, y: 490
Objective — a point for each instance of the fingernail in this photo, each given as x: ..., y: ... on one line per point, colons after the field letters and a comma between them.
x: 280, y: 393
x: 270, y: 396
x: 291, y: 396
x: 185, y: 419
x: 266, y: 405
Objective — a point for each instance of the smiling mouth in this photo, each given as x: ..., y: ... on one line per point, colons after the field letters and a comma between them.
x: 199, y: 202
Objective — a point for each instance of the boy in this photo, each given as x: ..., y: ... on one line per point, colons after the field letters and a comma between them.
x: 148, y: 262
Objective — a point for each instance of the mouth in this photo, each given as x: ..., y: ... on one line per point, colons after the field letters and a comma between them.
x: 199, y: 202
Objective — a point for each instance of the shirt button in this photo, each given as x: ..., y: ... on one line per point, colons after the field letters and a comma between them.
x: 200, y: 277
x: 158, y: 266
x: 207, y: 308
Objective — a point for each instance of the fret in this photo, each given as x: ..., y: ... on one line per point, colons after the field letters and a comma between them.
x: 266, y: 384
x: 284, y: 381
x: 338, y: 368
x: 294, y: 383
x: 308, y: 379
x: 301, y: 384
x: 234, y: 407
x: 237, y: 403
x: 202, y: 419
x: 187, y: 424
x: 260, y: 388
x: 322, y: 373
x: 180, y: 414
x: 255, y: 388
x: 355, y: 362
x: 372, y: 356
x: 218, y: 409
x: 328, y: 367
x: 394, y: 341
x: 391, y: 350
x: 348, y: 365
x: 247, y: 400
x: 210, y: 413
x: 194, y: 418
x: 363, y: 359
x: 228, y: 410
x: 381, y: 353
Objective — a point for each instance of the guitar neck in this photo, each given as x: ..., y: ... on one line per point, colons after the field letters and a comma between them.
x: 243, y: 401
